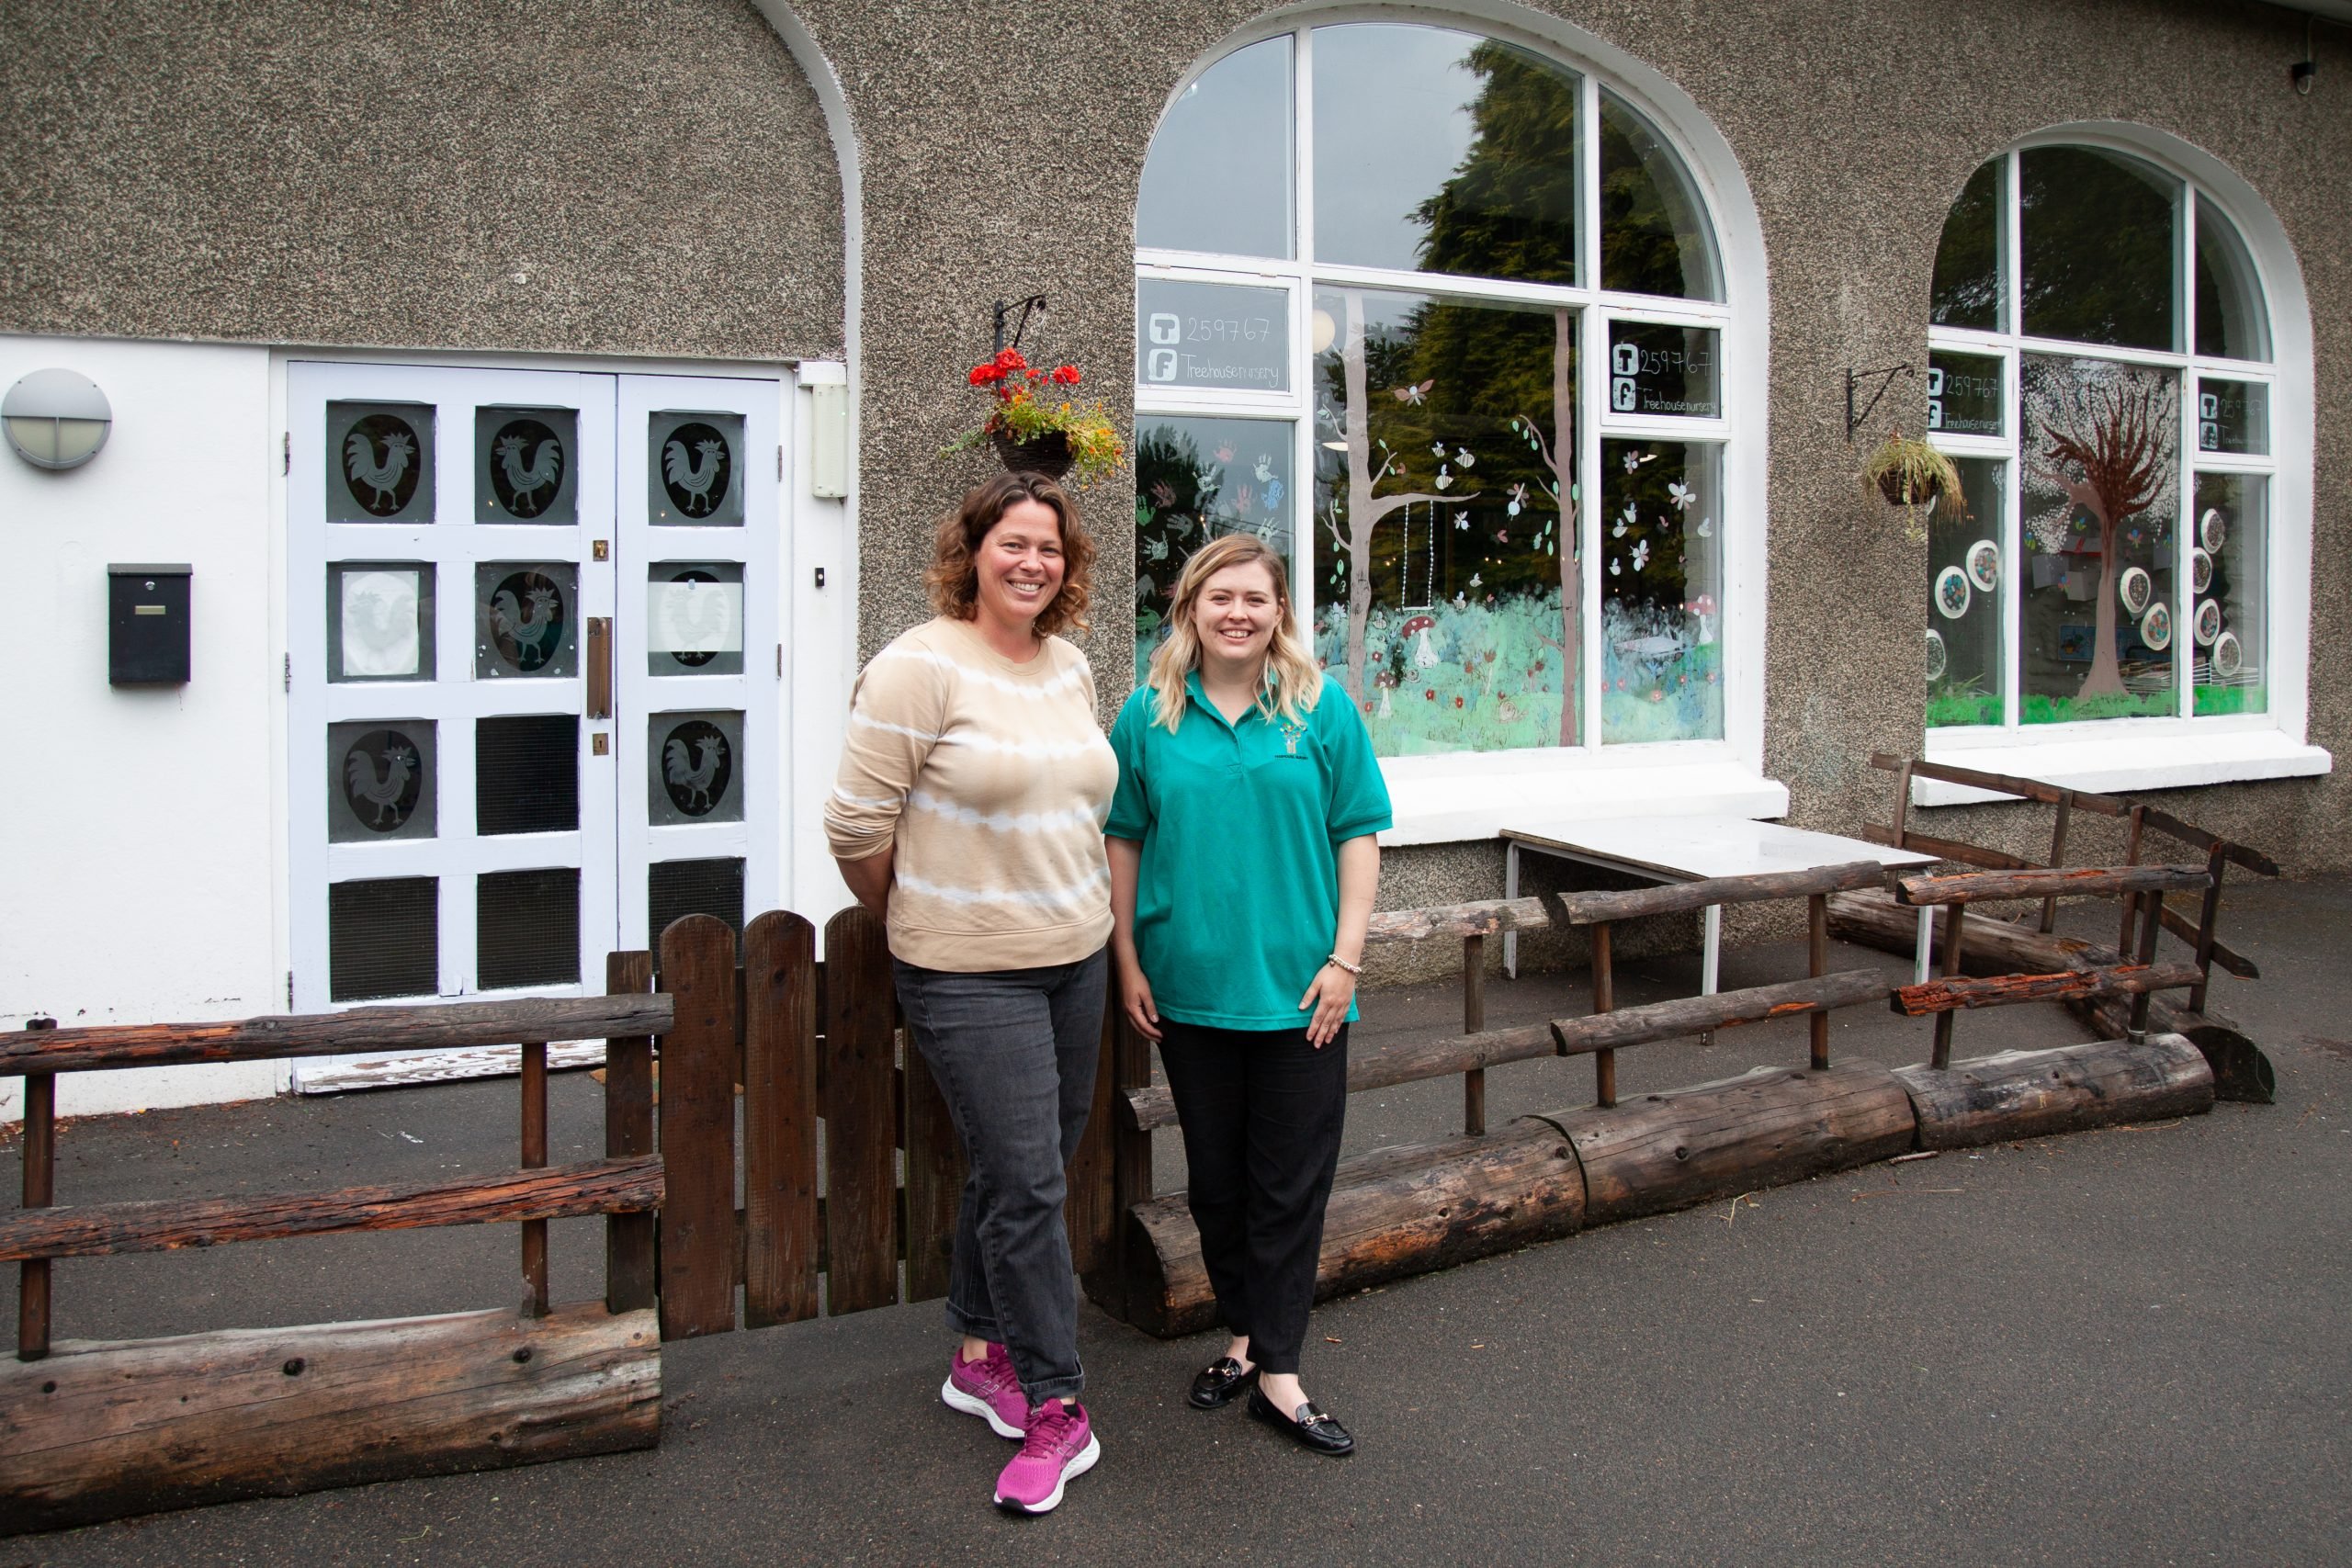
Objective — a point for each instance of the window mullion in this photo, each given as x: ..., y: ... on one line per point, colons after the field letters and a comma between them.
x: 1593, y: 367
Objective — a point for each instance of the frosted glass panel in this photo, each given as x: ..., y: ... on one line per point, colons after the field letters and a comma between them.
x: 526, y: 464
x: 692, y: 469
x: 381, y: 780
x: 379, y: 463
x: 379, y: 621
x: 693, y: 618
x: 526, y: 620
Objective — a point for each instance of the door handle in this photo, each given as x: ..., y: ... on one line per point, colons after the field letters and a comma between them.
x: 600, y: 667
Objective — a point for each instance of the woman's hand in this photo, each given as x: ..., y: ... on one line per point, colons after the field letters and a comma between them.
x: 1135, y: 1000
x: 1330, y: 996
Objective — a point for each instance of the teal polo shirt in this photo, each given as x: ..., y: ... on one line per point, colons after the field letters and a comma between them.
x: 1238, y: 896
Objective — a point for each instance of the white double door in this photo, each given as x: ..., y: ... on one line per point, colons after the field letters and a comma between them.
x: 534, y: 705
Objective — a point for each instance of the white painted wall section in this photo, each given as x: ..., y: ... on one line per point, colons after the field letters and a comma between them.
x: 137, y: 823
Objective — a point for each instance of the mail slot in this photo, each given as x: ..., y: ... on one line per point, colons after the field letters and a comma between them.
x: 147, y: 624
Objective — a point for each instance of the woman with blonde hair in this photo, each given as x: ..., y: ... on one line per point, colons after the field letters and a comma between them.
x: 969, y: 815
x: 1243, y: 871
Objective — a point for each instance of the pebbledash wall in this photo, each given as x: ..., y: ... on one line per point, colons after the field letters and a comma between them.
x: 738, y: 187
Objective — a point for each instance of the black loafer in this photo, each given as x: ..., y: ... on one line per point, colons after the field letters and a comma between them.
x: 1220, y: 1383
x: 1313, y: 1430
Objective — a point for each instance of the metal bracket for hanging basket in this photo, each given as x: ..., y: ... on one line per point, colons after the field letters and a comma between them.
x: 1854, y: 379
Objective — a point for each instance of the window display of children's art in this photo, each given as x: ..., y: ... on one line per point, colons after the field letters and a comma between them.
x: 1195, y: 479
x: 1964, y: 589
x: 2226, y: 572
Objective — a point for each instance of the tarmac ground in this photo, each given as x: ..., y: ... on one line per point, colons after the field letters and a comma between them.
x: 2125, y: 1347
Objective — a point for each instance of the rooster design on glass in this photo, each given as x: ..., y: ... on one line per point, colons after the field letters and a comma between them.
x: 694, y: 469
x: 379, y: 463
x: 528, y: 470
x: 699, y: 624
x: 526, y: 620
x: 696, y: 764
x: 381, y: 780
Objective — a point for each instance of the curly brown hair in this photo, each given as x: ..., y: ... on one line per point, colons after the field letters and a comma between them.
x: 955, y: 581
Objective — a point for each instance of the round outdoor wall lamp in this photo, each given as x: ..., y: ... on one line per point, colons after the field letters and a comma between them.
x: 56, y: 419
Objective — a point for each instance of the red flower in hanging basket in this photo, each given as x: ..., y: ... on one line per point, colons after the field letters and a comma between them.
x: 1065, y: 375
x: 1032, y: 428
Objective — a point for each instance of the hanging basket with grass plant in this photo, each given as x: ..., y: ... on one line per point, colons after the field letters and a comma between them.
x: 1909, y: 472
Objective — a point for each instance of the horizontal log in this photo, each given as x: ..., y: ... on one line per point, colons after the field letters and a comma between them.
x: 2063, y: 882
x: 1999, y: 990
x: 98, y: 1431
x: 1766, y: 1127
x: 2005, y: 784
x: 2025, y: 1094
x: 1482, y: 919
x: 1677, y: 897
x: 2198, y: 838
x: 1402, y: 1061
x: 436, y: 1027
x: 1725, y: 1010
x: 1948, y: 849
x: 2241, y: 1071
x: 1402, y: 1210
x: 554, y: 1192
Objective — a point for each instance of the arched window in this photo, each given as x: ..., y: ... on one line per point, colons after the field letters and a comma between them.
x: 1448, y: 319
x: 2101, y: 371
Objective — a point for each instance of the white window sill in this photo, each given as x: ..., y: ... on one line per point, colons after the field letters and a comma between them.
x: 1453, y: 807
x: 2126, y: 763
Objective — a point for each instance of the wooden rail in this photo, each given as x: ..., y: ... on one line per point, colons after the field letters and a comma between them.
x: 1969, y: 887
x: 1488, y: 918
x: 93, y: 1230
x: 1404, y: 1061
x: 1680, y: 897
x: 1725, y: 1010
x: 1998, y: 990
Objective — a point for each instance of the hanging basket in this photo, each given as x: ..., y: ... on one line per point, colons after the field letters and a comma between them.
x: 1048, y: 454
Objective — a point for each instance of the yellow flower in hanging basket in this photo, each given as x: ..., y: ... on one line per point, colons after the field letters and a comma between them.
x: 1030, y: 434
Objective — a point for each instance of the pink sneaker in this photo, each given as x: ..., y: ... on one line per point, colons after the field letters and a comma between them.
x: 987, y: 1387
x: 1058, y: 1445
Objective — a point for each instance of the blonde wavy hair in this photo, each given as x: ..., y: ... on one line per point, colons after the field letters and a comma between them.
x: 1292, y: 681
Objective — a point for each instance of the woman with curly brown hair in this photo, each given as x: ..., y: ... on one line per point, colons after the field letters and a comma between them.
x: 969, y: 815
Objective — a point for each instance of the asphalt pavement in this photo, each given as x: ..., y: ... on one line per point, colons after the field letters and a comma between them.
x: 2126, y: 1347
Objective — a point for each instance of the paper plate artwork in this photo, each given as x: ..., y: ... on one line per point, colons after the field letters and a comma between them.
x: 2229, y: 656
x: 2211, y: 529
x: 2208, y: 624
x: 2155, y: 628
x: 2201, y: 570
x: 1985, y: 565
x: 2137, y: 588
x: 1937, y: 657
x: 1951, y: 594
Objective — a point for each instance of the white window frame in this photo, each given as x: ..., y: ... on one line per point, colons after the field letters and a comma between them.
x: 2147, y: 752
x: 1470, y: 794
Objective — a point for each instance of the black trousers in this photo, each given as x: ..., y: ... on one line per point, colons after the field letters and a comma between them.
x: 1262, y: 1112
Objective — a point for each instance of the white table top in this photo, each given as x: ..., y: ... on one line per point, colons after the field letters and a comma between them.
x: 1694, y: 847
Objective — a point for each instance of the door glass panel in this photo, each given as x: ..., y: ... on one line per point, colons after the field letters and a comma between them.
x: 379, y: 463
x: 526, y: 928
x: 2101, y: 498
x: 1967, y: 288
x: 2229, y: 565
x: 525, y: 465
x: 1219, y: 174
x: 676, y: 888
x: 1197, y: 479
x: 1661, y: 621
x: 2097, y: 247
x: 693, y: 618
x: 1664, y: 370
x: 1225, y: 335
x: 379, y: 621
x: 2232, y: 416
x: 526, y: 773
x: 1655, y: 237
x: 383, y: 938
x: 1965, y: 579
x: 380, y: 780
x: 694, y: 761
x: 525, y: 620
x: 692, y: 469
x: 1964, y: 394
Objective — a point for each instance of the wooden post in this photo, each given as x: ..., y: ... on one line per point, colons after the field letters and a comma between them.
x: 1817, y: 965
x: 40, y: 1191
x: 1902, y: 801
x: 861, y: 1116
x: 2151, y: 927
x: 2057, y: 858
x: 1604, y: 998
x: 534, y: 1158
x: 628, y: 1131
x: 699, y: 1239
x: 2208, y: 917
x: 1942, y: 1055
x: 780, y: 1227
x: 2131, y: 857
x: 1474, y: 1021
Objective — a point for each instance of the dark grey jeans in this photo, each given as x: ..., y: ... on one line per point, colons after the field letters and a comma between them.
x: 1014, y: 1052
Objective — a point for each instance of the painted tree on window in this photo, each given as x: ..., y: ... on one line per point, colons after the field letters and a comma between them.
x: 2101, y: 436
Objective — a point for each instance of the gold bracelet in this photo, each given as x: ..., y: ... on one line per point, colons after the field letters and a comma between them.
x: 1351, y: 968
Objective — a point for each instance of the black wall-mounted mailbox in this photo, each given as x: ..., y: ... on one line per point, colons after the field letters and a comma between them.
x: 147, y: 624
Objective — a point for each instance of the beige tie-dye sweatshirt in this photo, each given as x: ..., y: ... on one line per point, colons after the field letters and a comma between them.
x: 991, y: 780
